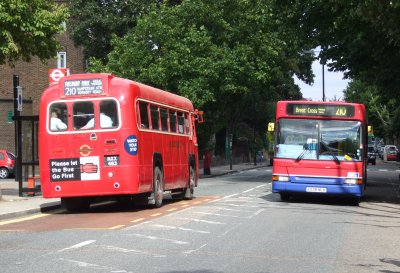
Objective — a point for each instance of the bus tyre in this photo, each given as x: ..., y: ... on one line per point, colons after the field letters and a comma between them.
x: 158, y: 191
x: 284, y: 196
x: 191, y: 183
x: 75, y: 203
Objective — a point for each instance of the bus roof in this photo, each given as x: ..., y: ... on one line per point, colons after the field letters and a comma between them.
x: 92, y: 85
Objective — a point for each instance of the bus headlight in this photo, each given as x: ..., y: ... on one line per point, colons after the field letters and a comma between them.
x: 354, y: 181
x: 280, y: 178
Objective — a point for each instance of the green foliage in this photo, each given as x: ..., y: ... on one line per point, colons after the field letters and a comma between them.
x: 359, y: 38
x: 29, y: 28
x: 94, y: 22
x: 230, y: 57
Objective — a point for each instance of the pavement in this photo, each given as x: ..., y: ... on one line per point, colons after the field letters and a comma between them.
x: 12, y: 205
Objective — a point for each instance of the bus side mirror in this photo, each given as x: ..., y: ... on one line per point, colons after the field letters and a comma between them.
x: 199, y: 116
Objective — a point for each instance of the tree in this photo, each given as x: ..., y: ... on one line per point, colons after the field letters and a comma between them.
x: 94, y: 22
x: 227, y: 56
x: 383, y: 113
x: 29, y: 28
x: 359, y: 38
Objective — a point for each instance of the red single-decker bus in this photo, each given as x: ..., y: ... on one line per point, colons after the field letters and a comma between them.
x: 320, y: 149
x: 104, y: 136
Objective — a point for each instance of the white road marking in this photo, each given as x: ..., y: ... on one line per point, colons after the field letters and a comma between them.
x: 194, y: 250
x: 85, y: 264
x: 182, y: 229
x: 203, y: 221
x: 125, y: 250
x: 85, y: 243
x: 153, y: 238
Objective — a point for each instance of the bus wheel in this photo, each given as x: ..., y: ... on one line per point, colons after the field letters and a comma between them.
x: 75, y: 203
x: 284, y: 196
x: 158, y: 191
x: 191, y: 183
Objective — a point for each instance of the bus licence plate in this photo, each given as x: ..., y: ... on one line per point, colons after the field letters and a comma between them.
x: 315, y: 189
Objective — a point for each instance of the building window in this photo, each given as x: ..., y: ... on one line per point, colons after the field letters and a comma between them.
x: 61, y: 59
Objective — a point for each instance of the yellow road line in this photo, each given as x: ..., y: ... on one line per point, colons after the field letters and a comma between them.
x: 13, y: 221
x: 137, y: 220
x: 156, y: 214
x: 184, y: 206
x: 172, y: 209
x: 116, y: 227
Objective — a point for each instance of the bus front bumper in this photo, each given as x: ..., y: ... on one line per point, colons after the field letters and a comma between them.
x: 317, y: 189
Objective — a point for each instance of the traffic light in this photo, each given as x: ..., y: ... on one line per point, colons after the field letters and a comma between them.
x: 370, y: 129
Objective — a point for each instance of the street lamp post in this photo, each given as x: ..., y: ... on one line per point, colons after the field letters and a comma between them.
x: 323, y: 82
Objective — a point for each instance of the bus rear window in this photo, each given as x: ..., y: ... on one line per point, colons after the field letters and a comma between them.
x: 58, y: 117
x: 108, y: 114
x: 83, y: 115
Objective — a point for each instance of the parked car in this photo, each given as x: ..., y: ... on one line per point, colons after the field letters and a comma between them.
x: 390, y: 153
x: 7, y: 164
x: 371, y: 156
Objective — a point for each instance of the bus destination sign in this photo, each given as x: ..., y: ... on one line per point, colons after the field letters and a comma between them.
x: 320, y: 110
x: 83, y: 87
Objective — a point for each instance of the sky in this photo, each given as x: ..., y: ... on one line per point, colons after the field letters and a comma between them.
x: 334, y: 84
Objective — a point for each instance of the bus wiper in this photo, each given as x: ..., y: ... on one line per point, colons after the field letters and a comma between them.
x: 337, y: 161
x: 302, y: 155
x: 329, y: 152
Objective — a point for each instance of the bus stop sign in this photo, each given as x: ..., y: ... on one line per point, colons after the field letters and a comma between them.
x: 56, y: 74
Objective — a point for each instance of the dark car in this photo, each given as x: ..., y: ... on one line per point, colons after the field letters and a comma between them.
x: 7, y: 164
x: 371, y: 155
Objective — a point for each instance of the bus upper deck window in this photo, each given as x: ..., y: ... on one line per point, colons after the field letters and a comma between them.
x: 181, y: 123
x: 172, y: 121
x: 144, y: 116
x: 83, y: 115
x: 108, y: 114
x: 164, y: 119
x: 58, y: 117
x: 155, y: 117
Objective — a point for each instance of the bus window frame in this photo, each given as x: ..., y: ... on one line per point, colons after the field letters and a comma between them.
x: 60, y: 116
x: 169, y: 108
x: 69, y: 103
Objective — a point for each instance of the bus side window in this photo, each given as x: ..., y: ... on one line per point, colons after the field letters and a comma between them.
x: 143, y: 114
x: 181, y: 123
x: 83, y: 115
x: 108, y: 114
x: 155, y: 117
x: 187, y: 124
x: 58, y: 117
x: 172, y: 121
x: 164, y: 119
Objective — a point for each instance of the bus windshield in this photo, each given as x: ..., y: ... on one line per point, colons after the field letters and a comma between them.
x: 313, y: 139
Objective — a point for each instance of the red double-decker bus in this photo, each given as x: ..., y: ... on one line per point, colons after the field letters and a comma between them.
x: 320, y: 149
x: 104, y: 136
